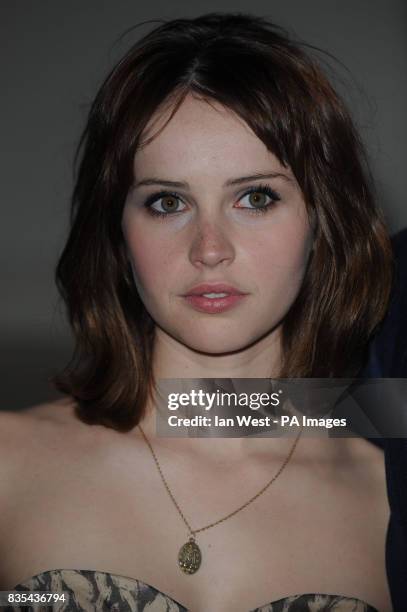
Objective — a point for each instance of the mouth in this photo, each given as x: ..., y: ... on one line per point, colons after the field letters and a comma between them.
x: 214, y: 298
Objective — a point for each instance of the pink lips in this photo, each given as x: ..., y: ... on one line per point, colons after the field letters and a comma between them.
x: 214, y: 305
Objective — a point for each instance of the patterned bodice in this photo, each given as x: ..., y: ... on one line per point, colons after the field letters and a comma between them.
x: 95, y: 591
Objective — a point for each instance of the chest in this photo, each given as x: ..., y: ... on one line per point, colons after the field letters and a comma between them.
x: 297, y: 537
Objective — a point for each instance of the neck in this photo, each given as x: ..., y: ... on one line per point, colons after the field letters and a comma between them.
x: 173, y: 360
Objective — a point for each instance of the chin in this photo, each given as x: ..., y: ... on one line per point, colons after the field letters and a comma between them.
x: 216, y: 343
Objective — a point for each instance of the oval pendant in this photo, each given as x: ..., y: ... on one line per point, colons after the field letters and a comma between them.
x: 190, y: 557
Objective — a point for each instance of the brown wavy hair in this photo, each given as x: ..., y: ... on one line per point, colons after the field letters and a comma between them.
x: 253, y: 67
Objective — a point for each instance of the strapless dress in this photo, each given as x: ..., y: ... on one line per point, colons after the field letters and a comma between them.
x: 95, y: 591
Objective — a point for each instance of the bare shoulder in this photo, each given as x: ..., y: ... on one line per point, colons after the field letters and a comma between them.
x: 32, y: 438
x: 57, y: 416
x: 370, y: 456
x: 25, y: 429
x: 368, y: 468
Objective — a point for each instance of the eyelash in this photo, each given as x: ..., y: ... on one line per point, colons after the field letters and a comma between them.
x: 266, y: 189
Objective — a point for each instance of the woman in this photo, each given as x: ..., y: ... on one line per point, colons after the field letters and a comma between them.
x: 222, y: 226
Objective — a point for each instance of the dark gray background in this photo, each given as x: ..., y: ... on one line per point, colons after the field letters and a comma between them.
x: 54, y: 55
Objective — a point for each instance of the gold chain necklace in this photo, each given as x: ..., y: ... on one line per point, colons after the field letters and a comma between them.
x: 190, y: 555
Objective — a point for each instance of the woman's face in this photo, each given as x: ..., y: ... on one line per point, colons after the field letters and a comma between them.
x: 210, y: 204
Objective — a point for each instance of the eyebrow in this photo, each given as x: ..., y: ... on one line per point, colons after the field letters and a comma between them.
x: 236, y: 181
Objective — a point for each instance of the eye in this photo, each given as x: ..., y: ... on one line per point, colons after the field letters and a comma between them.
x: 163, y: 203
x: 260, y: 198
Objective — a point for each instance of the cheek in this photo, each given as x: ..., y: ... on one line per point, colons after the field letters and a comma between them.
x: 280, y: 258
x: 152, y: 259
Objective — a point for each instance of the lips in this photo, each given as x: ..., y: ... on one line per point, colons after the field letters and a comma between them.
x: 200, y: 298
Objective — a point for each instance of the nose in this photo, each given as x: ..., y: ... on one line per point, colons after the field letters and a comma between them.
x: 210, y: 245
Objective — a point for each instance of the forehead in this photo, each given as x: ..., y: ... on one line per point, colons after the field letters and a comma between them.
x: 202, y: 136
